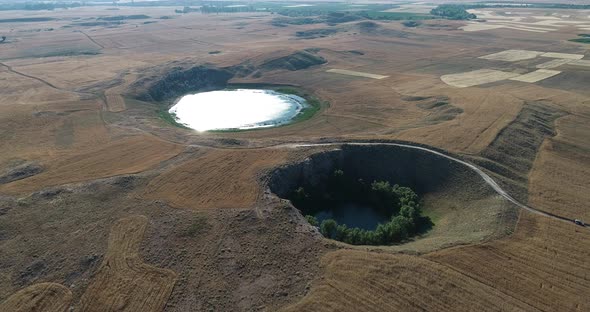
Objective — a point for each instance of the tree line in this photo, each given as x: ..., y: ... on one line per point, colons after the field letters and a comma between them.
x: 453, y: 12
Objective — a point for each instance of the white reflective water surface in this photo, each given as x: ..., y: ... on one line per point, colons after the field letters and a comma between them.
x: 236, y: 109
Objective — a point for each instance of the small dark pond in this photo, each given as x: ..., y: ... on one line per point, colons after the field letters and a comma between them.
x: 353, y: 214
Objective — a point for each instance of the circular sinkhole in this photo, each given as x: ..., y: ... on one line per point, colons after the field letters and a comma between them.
x: 349, y: 209
x: 451, y: 204
x: 238, y: 109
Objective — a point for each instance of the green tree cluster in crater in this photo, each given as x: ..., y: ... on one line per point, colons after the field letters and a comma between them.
x: 400, y: 203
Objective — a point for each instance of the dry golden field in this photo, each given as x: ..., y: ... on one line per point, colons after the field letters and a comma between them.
x: 106, y: 206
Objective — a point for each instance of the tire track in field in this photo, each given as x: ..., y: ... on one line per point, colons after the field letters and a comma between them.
x: 124, y: 282
x: 45, y: 82
x: 90, y: 38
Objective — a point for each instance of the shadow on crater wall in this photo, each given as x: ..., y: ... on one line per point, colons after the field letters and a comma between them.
x: 463, y: 207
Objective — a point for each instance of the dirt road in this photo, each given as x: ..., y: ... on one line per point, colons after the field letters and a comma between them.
x: 482, y: 174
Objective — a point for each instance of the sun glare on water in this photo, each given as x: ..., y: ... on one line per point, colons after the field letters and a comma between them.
x: 236, y: 109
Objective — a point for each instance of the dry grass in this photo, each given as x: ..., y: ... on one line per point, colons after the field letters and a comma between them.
x: 130, y: 155
x: 356, y: 73
x: 561, y: 171
x: 474, y: 26
x: 554, y: 63
x: 124, y: 282
x: 565, y: 56
x: 532, y: 270
x: 218, y: 179
x: 115, y: 102
x: 524, y: 28
x: 73, y: 73
x: 365, y: 281
x: 536, y: 76
x: 585, y: 63
x: 528, y: 20
x: 535, y: 266
x: 413, y: 8
x: 476, y: 77
x: 52, y: 113
x: 46, y: 297
x: 512, y: 55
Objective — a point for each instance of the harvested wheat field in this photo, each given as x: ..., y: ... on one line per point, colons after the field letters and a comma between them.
x: 554, y: 63
x: 130, y: 155
x: 39, y: 297
x: 477, y: 77
x: 203, y: 183
x: 398, y: 156
x: 537, y: 75
x: 377, y: 282
x: 123, y: 281
x: 512, y: 55
x: 355, y: 73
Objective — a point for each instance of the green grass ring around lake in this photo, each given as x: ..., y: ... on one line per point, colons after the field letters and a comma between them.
x: 312, y: 106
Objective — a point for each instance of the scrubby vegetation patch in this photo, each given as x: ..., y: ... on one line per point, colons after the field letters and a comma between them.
x: 583, y: 38
x: 453, y: 12
x: 296, y: 61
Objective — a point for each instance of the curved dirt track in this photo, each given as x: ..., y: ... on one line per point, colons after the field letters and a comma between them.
x: 482, y: 174
x: 46, y: 297
x: 124, y: 282
x: 45, y: 82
